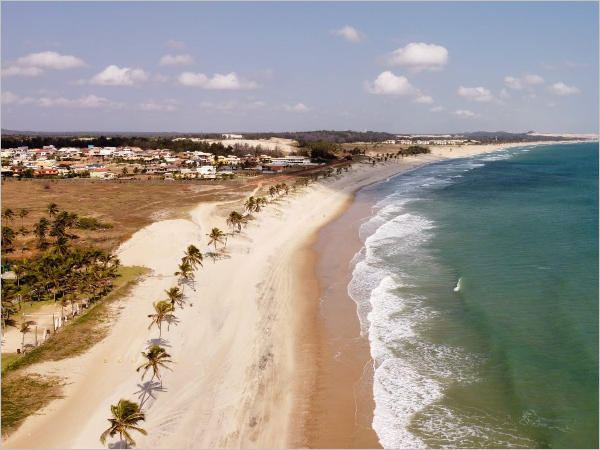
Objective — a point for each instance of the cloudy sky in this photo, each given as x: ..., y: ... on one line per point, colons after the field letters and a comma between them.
x: 216, y: 67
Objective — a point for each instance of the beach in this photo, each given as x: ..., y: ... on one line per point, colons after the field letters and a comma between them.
x: 254, y: 350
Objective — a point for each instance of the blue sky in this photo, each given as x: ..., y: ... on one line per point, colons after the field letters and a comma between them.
x: 213, y: 67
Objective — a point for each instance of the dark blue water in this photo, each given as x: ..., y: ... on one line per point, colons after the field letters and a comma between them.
x: 478, y: 286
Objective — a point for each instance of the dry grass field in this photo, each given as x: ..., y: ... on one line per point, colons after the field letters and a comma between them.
x: 128, y: 206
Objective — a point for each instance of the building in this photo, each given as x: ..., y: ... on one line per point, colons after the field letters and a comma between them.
x: 232, y: 136
x: 101, y: 173
x: 291, y: 161
x: 206, y: 170
x: 46, y: 172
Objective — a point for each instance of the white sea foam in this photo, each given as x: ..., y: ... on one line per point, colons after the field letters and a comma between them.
x: 457, y: 288
x: 410, y: 372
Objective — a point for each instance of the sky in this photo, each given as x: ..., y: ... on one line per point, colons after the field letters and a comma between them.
x: 400, y: 67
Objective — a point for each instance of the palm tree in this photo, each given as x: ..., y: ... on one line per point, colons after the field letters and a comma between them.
x: 24, y: 329
x: 250, y: 205
x: 52, y: 209
x: 40, y: 229
x: 22, y: 214
x: 260, y: 201
x: 61, y: 247
x: 193, y: 257
x: 157, y: 357
x: 125, y: 417
x: 175, y: 296
x: 8, y: 214
x: 234, y: 220
x: 163, y: 311
x: 19, y: 270
x: 185, y: 271
x: 8, y: 236
x: 217, y: 235
x: 272, y: 191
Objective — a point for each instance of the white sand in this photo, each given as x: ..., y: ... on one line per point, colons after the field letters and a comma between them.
x: 239, y: 377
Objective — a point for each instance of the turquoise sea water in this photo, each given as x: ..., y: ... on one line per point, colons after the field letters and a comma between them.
x: 478, y: 288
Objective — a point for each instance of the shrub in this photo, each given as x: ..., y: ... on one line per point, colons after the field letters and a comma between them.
x: 90, y: 223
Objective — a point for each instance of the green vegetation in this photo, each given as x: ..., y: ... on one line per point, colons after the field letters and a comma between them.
x: 125, y: 417
x: 320, y: 150
x: 413, y: 150
x: 156, y: 358
x: 8, y: 358
x: 84, y: 332
x: 23, y: 395
x: 90, y: 223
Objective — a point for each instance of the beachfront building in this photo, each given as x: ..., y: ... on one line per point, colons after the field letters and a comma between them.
x: 291, y: 161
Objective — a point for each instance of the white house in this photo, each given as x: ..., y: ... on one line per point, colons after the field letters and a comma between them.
x: 206, y: 170
x: 291, y: 161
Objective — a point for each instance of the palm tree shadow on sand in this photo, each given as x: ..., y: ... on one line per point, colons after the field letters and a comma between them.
x: 147, y: 390
x: 157, y: 341
x: 119, y: 444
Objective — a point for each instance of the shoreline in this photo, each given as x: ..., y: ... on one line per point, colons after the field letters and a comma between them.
x: 238, y: 349
x: 343, y: 405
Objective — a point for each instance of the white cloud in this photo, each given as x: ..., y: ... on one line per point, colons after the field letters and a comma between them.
x: 84, y: 102
x: 389, y: 84
x: 176, y: 60
x: 192, y: 79
x: 158, y: 78
x: 174, y: 45
x: 167, y: 105
x: 298, y: 107
x: 463, y: 113
x: 424, y: 99
x: 350, y: 34
x: 50, y: 60
x: 229, y: 81
x: 477, y: 94
x: 513, y: 83
x: 532, y: 80
x: 550, y: 104
x: 16, y: 71
x: 419, y: 56
x: 527, y: 81
x: 119, y: 76
x: 504, y: 94
x: 231, y: 105
x: 561, y: 88
x: 9, y: 98
x: 437, y: 109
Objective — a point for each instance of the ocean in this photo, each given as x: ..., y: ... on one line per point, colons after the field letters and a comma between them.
x: 477, y: 287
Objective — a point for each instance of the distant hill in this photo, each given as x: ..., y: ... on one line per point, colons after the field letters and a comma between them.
x: 38, y: 138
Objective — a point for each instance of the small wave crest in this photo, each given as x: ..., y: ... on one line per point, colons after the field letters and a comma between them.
x: 457, y: 288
